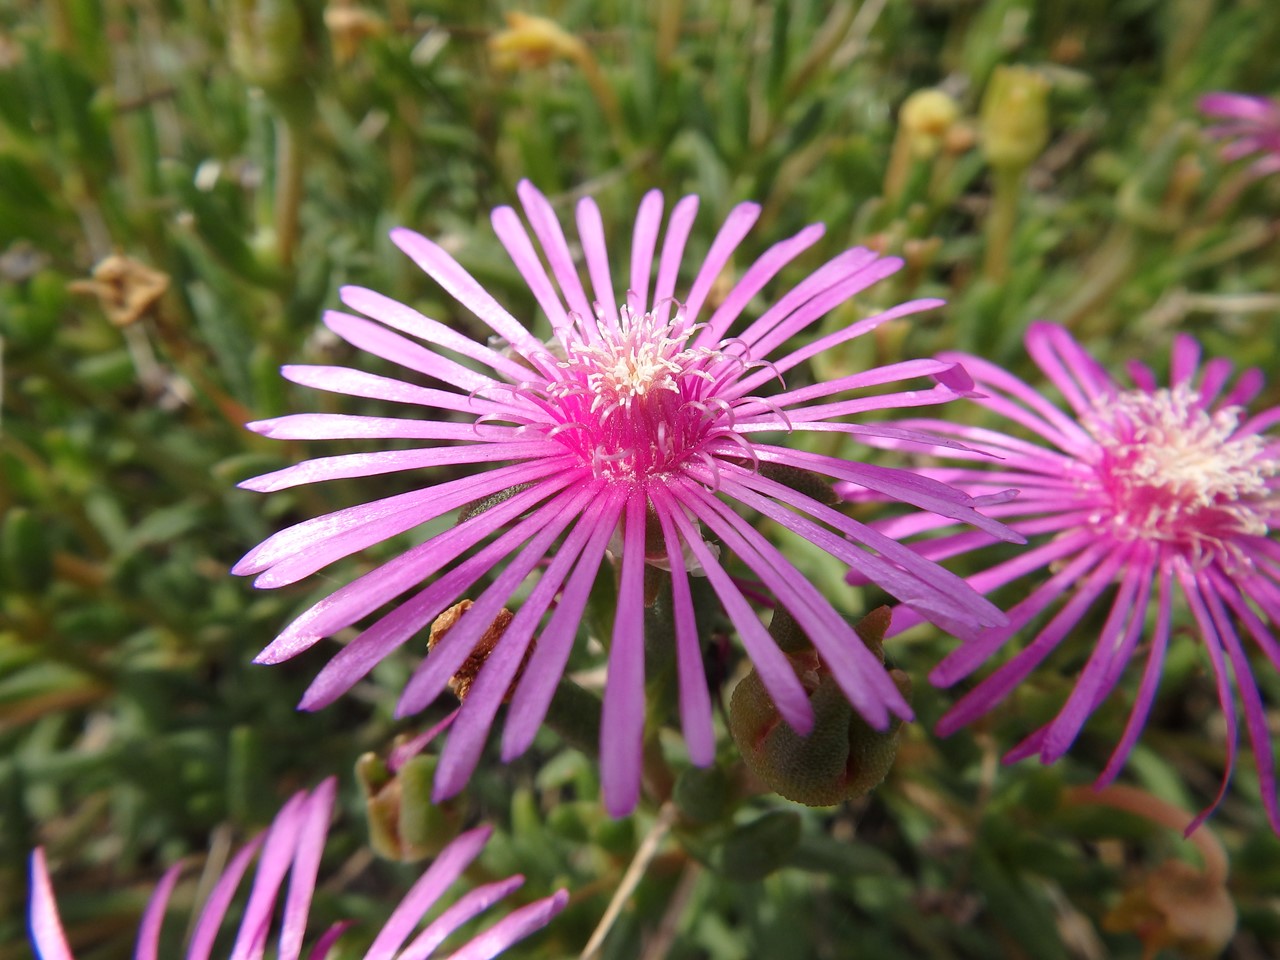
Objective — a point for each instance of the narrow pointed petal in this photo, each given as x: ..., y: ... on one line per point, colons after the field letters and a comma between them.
x: 546, y: 227
x: 306, y: 866
x: 431, y: 677
x: 695, y: 700
x: 678, y: 227
x: 622, y: 722
x: 469, y: 906
x: 462, y: 752
x: 446, y: 868
x: 546, y: 666
x: 463, y: 287
x: 643, y: 244
x: 753, y: 281
x: 148, y: 947
x: 410, y: 321
x: 591, y: 230
x: 47, y: 935
x: 775, y: 670
x: 513, y: 928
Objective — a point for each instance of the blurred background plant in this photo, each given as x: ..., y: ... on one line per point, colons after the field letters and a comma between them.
x: 183, y: 187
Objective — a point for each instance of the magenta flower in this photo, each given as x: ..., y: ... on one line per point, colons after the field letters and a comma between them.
x: 631, y: 430
x: 1249, y: 126
x: 291, y: 847
x: 1147, y: 492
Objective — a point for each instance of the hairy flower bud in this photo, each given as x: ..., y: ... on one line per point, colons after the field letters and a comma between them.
x: 843, y: 757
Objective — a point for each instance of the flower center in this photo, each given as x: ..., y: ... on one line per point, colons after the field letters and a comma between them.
x: 1176, y: 473
x: 636, y: 400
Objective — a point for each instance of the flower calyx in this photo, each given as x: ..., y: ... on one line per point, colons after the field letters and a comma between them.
x: 843, y: 757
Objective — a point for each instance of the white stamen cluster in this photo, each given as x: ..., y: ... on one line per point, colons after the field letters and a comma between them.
x: 633, y: 395
x: 1177, y: 473
x: 645, y: 356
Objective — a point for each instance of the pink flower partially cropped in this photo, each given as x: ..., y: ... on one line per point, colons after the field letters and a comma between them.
x: 1141, y: 500
x: 1249, y: 126
x: 633, y: 429
x: 291, y: 848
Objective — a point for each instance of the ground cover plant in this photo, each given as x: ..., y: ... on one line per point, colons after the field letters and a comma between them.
x: 741, y: 642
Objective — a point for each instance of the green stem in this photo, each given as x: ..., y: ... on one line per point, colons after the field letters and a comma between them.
x: 1002, y: 219
x: 288, y: 191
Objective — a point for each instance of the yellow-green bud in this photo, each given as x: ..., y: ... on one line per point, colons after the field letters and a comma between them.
x: 1015, y: 117
x: 531, y: 41
x: 265, y: 40
x: 925, y: 117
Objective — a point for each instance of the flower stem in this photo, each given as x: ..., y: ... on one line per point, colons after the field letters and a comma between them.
x: 647, y: 850
x: 288, y: 192
x: 1002, y: 219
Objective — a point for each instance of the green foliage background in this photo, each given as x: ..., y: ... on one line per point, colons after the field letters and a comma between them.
x: 132, y: 724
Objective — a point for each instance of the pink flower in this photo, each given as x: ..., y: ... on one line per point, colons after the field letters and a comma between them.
x: 1250, y: 126
x: 1139, y: 495
x: 630, y: 426
x: 292, y: 847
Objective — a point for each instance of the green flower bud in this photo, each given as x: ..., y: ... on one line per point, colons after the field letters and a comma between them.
x: 925, y: 118
x: 265, y: 41
x: 842, y: 757
x: 404, y: 824
x: 1015, y: 117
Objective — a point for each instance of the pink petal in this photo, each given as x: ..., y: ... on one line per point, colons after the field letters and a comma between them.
x: 695, y: 700
x: 546, y: 665
x: 446, y: 271
x: 507, y: 225
x: 368, y: 649
x: 410, y: 321
x: 349, y: 465
x: 752, y: 282
x: 513, y: 928
x: 431, y: 677
x: 462, y: 752
x: 831, y: 274
x: 775, y: 670
x: 643, y: 244
x: 215, y: 908
x: 1213, y: 644
x: 357, y: 383
x: 546, y: 227
x: 148, y: 947
x: 306, y: 865
x: 622, y: 721
x: 678, y: 227
x: 47, y: 935
x: 861, y: 675
x: 1150, y: 680
x: 471, y: 904
x: 596, y: 251
x: 378, y: 340
x: 429, y: 888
